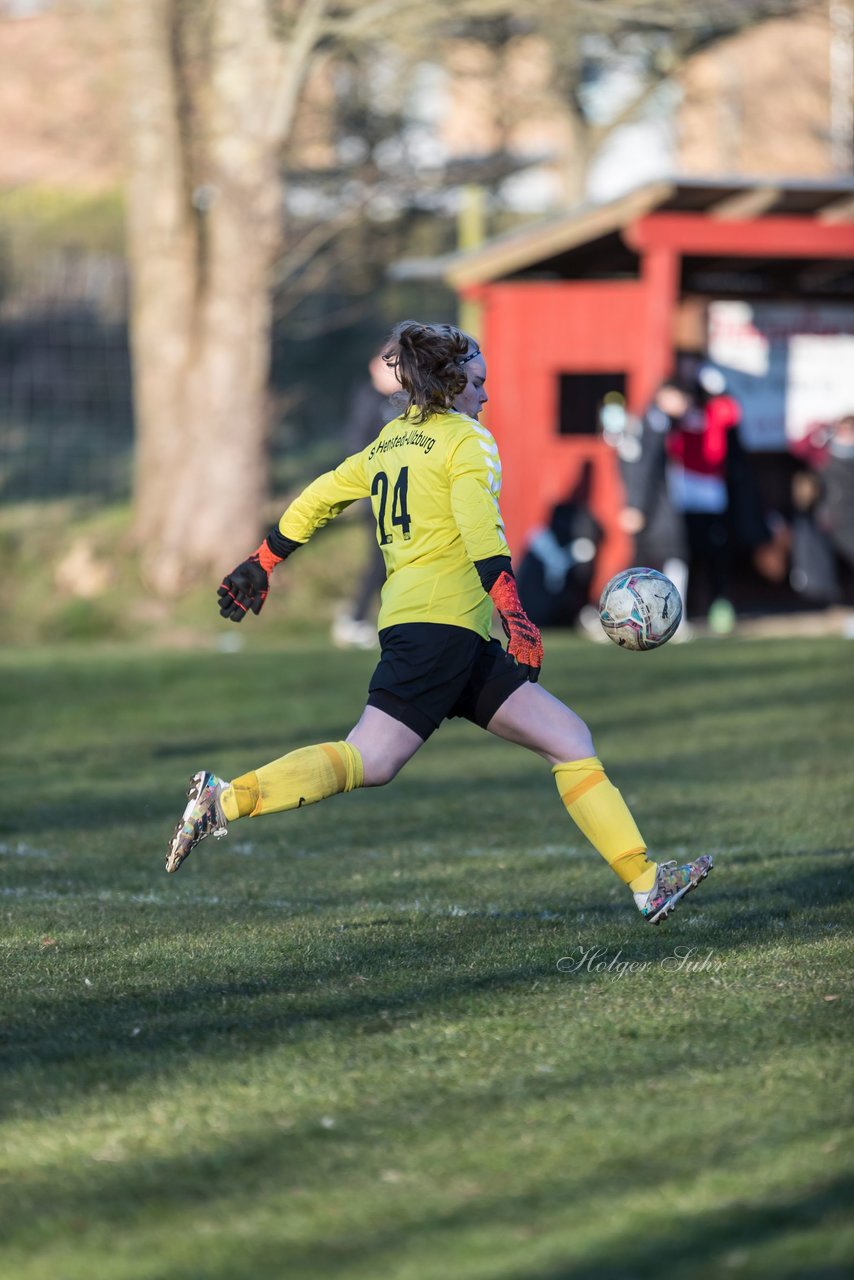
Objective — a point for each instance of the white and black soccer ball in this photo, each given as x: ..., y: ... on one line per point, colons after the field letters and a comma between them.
x: 640, y: 609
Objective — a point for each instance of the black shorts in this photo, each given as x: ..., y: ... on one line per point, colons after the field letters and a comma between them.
x: 429, y: 672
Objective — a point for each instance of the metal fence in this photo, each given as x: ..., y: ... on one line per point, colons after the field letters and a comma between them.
x: 66, y: 417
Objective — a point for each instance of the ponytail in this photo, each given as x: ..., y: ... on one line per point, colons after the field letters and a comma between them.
x: 428, y: 360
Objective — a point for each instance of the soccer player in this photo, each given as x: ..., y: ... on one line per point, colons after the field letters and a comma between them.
x: 434, y: 476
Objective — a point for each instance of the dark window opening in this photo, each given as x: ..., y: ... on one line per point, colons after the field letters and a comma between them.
x: 582, y: 398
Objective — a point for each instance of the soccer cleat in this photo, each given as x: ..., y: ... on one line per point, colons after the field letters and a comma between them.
x: 202, y: 817
x: 671, y: 885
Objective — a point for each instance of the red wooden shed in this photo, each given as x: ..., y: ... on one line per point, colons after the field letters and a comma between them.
x: 604, y: 299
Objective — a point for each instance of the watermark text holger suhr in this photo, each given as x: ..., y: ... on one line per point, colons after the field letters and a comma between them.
x: 600, y: 960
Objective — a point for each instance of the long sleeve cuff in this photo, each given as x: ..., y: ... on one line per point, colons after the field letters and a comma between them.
x: 281, y: 546
x: 491, y: 569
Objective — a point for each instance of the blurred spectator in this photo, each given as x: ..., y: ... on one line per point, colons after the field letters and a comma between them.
x: 372, y: 406
x: 692, y: 497
x: 823, y: 498
x: 557, y: 568
x: 698, y: 448
x: 835, y: 512
x: 650, y: 516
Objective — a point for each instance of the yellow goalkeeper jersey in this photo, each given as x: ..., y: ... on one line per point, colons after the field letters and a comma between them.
x: 434, y: 489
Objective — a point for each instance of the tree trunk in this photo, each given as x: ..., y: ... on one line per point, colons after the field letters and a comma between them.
x: 576, y: 167
x: 203, y: 229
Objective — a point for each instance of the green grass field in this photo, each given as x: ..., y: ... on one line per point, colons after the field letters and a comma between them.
x: 341, y: 1043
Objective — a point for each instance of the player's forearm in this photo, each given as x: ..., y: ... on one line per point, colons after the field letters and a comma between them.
x: 280, y: 546
x: 245, y: 589
x: 490, y: 569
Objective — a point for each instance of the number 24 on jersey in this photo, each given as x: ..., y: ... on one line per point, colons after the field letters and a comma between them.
x: 399, y: 512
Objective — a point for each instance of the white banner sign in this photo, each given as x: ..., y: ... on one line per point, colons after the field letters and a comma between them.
x: 790, y: 366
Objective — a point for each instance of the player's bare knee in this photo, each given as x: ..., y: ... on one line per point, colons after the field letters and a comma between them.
x: 585, y: 741
x: 575, y: 743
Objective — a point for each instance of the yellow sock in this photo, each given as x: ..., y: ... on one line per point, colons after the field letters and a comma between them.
x: 601, y: 813
x: 301, y: 777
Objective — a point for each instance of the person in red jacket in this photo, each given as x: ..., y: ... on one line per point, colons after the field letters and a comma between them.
x: 697, y: 449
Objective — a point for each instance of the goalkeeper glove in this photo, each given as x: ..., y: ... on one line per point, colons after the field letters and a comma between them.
x: 246, y: 587
x: 526, y: 643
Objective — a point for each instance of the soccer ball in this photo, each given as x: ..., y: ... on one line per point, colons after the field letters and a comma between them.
x: 640, y: 609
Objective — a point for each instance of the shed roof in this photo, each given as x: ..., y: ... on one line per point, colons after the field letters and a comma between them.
x: 725, y: 198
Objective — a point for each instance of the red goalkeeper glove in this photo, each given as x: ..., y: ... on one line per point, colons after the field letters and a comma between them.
x: 526, y: 643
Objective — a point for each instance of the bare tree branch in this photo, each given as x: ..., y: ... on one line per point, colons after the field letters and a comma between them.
x: 367, y: 17
x: 294, y: 66
x: 313, y: 241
